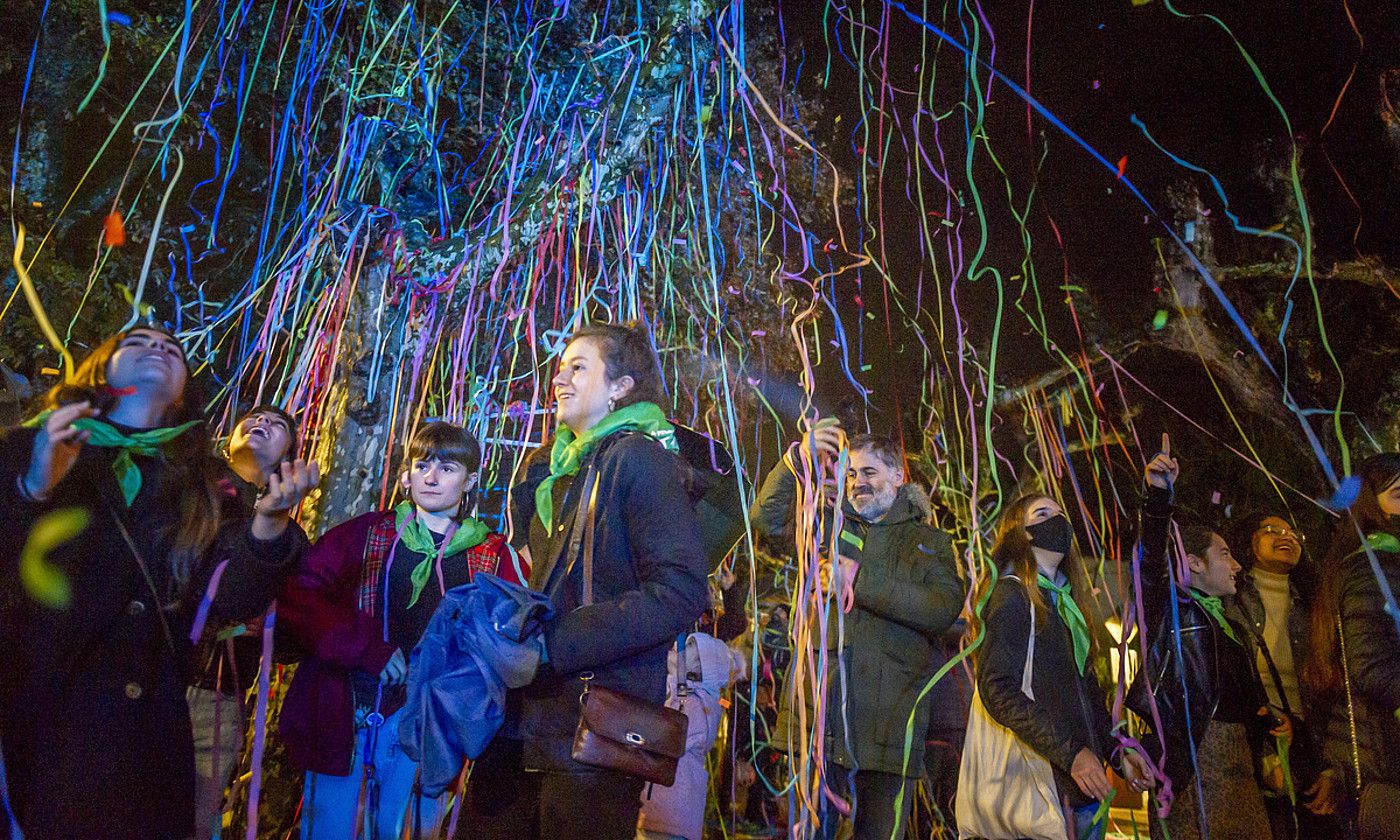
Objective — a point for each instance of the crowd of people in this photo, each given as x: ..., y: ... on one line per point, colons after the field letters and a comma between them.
x: 579, y: 675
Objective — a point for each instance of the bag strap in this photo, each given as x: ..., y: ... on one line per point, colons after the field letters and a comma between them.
x: 592, y: 490
x: 158, y: 606
x: 1351, y: 707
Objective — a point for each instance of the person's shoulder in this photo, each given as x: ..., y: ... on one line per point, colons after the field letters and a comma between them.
x: 931, y: 539
x: 356, y: 527
x: 1008, y: 590
x: 634, y: 451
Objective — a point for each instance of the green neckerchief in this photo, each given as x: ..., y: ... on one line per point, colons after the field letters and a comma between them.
x: 1215, y: 610
x: 569, y: 450
x: 104, y: 434
x: 1072, y: 617
x: 414, y: 534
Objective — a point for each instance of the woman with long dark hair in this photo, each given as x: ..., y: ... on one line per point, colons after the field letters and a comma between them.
x: 1355, y: 662
x: 93, y: 719
x: 1036, y: 675
x: 1277, y: 586
x: 648, y: 586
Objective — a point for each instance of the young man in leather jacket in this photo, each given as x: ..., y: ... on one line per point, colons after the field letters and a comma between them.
x: 1197, y: 672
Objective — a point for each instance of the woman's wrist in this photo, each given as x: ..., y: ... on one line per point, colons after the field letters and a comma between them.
x: 268, y: 526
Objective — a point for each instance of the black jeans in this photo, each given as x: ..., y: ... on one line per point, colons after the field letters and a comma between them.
x: 873, y: 809
x: 506, y: 802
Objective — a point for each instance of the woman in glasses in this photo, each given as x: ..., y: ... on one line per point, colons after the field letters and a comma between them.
x: 1275, y: 594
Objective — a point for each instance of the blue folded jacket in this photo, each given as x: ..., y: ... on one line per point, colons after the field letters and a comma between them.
x: 484, y: 638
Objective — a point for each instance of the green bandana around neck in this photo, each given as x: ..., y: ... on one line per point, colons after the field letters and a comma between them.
x: 413, y: 533
x: 1071, y: 616
x: 104, y: 434
x: 1215, y: 609
x: 569, y: 450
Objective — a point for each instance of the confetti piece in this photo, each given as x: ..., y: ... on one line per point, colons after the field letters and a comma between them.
x: 1382, y: 541
x: 43, y: 581
x: 1122, y: 166
x: 113, y: 232
x: 1347, y: 493
x: 1160, y: 319
x: 119, y: 18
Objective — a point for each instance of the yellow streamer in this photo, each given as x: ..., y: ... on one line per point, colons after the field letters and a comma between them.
x: 37, y: 307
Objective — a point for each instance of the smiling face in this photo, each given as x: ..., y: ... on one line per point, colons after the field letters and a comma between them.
x: 264, y: 435
x: 582, y: 388
x: 872, y: 484
x: 438, y: 486
x: 1214, y: 573
x: 1277, y: 546
x: 150, y: 362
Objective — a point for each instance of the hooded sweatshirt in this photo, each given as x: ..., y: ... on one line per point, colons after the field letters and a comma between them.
x: 710, y: 666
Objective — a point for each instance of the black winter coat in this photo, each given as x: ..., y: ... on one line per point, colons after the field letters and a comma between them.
x: 93, y: 721
x: 1373, y: 665
x: 907, y: 595
x: 649, y: 572
x: 1068, y: 713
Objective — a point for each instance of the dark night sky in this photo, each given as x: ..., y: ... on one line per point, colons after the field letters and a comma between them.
x: 1188, y: 83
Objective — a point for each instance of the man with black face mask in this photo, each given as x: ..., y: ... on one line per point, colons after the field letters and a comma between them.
x: 898, y: 583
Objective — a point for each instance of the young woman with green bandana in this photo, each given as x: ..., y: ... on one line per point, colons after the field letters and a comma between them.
x: 359, y: 605
x: 114, y: 489
x: 1036, y: 667
x: 648, y: 586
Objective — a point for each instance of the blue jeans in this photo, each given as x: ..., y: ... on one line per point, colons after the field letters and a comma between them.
x: 328, y: 812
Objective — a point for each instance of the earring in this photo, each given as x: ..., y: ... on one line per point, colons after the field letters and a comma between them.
x: 612, y: 405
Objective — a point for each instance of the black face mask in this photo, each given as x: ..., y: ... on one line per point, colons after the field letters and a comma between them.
x: 1054, y: 534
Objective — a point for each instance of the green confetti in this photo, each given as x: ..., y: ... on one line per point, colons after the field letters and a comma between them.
x: 1381, y: 541
x: 1160, y: 319
x: 43, y: 581
x: 231, y: 632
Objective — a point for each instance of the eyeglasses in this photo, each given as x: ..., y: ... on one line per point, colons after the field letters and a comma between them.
x: 1275, y: 531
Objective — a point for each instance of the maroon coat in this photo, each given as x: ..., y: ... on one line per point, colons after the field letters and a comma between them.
x: 319, y: 607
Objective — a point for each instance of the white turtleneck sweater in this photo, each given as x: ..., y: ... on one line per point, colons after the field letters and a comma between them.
x: 1273, y: 591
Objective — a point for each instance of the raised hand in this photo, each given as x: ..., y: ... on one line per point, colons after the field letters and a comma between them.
x: 826, y: 437
x: 286, y: 487
x: 56, y: 448
x: 1162, y: 470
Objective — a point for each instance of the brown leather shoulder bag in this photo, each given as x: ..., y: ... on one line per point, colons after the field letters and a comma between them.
x: 617, y: 731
